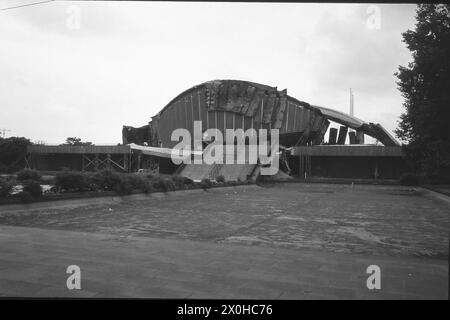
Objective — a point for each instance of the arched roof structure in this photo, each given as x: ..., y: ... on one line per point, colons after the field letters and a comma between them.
x: 233, y: 104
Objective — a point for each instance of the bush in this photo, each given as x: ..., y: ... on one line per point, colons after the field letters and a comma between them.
x: 89, y: 181
x: 182, y: 182
x: 138, y: 182
x: 220, y: 179
x: 125, y: 186
x: 178, y: 181
x: 205, y: 183
x: 5, y: 188
x: 25, y: 197
x: 409, y: 179
x: 71, y: 181
x: 146, y: 186
x: 107, y: 180
x: 28, y: 174
x: 33, y: 188
x: 130, y: 182
x: 163, y: 184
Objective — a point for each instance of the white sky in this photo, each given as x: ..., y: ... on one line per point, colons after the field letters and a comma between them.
x: 129, y: 59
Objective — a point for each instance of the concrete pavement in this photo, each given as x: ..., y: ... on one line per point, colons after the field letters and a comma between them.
x: 33, y: 263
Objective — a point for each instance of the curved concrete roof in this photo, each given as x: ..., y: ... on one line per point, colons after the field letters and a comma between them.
x: 374, y: 130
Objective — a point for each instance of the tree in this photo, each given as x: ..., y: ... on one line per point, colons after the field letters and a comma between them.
x: 425, y: 85
x: 73, y: 141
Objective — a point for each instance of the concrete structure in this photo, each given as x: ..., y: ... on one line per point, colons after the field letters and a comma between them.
x: 235, y: 104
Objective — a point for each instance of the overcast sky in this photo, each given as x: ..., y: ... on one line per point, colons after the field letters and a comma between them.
x: 127, y: 60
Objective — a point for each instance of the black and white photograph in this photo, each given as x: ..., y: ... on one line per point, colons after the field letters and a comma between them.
x: 225, y: 156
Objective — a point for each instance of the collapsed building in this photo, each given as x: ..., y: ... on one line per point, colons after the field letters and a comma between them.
x: 235, y: 104
x: 232, y: 104
x: 306, y: 149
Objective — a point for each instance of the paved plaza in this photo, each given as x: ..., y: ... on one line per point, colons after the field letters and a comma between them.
x: 281, y: 241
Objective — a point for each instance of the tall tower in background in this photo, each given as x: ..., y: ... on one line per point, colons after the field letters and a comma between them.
x: 358, y: 136
x: 351, y: 102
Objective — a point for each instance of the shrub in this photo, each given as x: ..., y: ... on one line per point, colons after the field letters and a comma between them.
x: 125, y: 186
x: 178, y: 181
x: 28, y: 174
x: 152, y: 177
x: 163, y: 184
x: 89, y: 181
x: 170, y: 184
x: 107, y: 180
x: 232, y: 183
x: 220, y: 179
x: 205, y: 183
x: 33, y: 188
x: 5, y: 188
x: 181, y: 182
x: 146, y: 186
x: 71, y: 181
x: 138, y: 182
x: 133, y: 179
x: 25, y: 197
x: 409, y: 179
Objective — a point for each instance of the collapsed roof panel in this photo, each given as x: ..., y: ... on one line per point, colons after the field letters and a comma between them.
x: 232, y: 104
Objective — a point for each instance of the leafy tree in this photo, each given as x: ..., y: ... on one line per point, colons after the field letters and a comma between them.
x: 74, y: 141
x: 425, y: 85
